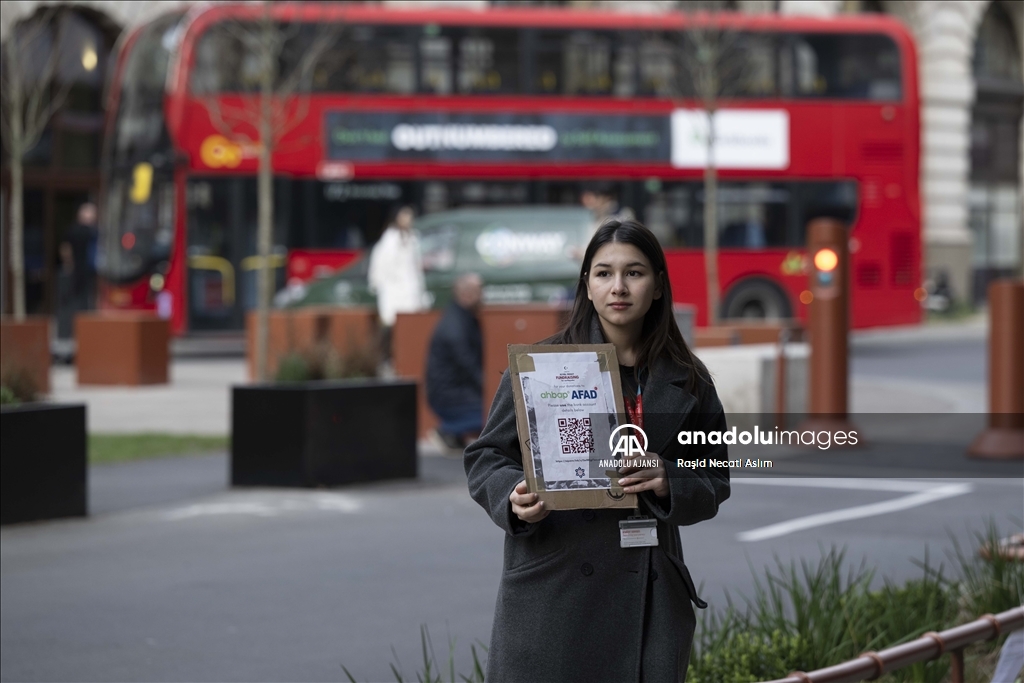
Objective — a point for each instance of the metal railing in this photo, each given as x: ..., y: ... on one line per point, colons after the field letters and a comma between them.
x: 932, y: 645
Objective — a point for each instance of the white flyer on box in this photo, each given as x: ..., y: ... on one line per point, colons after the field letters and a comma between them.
x: 561, y: 394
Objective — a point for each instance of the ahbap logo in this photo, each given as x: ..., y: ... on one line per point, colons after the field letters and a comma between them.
x: 627, y: 445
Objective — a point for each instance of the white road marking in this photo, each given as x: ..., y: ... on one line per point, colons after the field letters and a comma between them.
x: 920, y: 493
x: 268, y: 505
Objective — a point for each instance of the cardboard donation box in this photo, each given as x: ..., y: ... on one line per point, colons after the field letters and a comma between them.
x: 569, y: 413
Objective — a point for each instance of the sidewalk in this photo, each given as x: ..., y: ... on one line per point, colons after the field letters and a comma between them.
x: 198, y: 398
x: 196, y: 401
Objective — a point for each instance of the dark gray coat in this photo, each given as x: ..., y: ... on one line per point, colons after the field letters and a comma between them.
x: 572, y: 604
x: 455, y: 361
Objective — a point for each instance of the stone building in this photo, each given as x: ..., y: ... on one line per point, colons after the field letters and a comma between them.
x: 972, y: 96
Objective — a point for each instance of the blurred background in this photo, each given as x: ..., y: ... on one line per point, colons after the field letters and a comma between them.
x: 902, y: 118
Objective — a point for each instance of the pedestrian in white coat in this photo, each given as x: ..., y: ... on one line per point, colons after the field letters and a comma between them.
x: 396, y: 274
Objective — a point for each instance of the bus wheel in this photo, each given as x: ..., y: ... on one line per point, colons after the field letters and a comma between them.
x: 756, y: 298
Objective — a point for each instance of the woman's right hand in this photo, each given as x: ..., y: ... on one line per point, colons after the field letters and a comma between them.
x: 526, y: 506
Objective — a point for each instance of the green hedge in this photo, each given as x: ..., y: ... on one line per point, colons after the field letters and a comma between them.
x: 813, y: 615
x: 817, y: 615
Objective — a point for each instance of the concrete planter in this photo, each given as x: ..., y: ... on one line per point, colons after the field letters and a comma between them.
x: 25, y: 347
x: 42, y: 462
x: 327, y: 433
x: 122, y: 348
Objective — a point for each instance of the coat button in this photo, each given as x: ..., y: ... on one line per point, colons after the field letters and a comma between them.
x: 587, y: 569
x: 588, y: 515
x: 654, y: 575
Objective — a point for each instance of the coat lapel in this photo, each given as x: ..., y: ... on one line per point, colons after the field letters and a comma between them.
x: 667, y: 403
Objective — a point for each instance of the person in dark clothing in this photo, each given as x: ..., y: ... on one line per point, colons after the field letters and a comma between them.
x: 455, y: 367
x: 82, y: 240
x: 78, y: 269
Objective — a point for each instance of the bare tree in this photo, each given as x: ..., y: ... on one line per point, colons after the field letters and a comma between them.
x: 30, y: 94
x: 260, y: 118
x: 713, y: 65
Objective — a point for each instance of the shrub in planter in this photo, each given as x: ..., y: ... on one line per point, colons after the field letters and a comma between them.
x: 324, y: 361
x: 25, y: 345
x: 17, y: 385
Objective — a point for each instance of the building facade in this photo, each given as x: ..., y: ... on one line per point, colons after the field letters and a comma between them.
x: 972, y: 146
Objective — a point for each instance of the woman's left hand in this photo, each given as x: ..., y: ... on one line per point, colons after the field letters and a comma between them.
x: 645, y: 479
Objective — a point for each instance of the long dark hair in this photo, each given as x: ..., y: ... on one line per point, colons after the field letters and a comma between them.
x: 660, y: 336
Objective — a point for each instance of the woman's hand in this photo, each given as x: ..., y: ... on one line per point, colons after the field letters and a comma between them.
x: 526, y: 506
x: 647, y: 479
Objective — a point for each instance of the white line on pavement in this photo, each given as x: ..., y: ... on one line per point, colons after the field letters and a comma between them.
x: 921, y: 493
x: 268, y: 506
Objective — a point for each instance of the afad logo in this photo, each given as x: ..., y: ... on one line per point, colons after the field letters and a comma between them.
x: 219, y: 152
x: 576, y: 394
x: 628, y: 445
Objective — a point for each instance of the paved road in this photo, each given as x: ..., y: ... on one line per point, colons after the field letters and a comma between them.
x: 289, y: 585
x: 175, y: 578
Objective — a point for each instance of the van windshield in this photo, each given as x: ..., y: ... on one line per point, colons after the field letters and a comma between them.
x: 485, y: 242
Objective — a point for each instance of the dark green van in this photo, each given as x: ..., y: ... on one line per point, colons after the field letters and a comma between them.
x: 529, y: 254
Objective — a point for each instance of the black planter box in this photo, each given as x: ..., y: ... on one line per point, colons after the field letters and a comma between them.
x: 326, y: 433
x: 42, y: 462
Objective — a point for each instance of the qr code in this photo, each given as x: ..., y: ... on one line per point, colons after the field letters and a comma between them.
x: 575, y: 435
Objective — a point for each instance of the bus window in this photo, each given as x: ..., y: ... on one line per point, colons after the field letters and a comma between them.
x: 227, y: 57
x: 342, y: 215
x: 586, y: 64
x: 488, y: 61
x: 583, y: 63
x: 489, y: 193
x: 865, y: 67
x: 221, y: 63
x: 368, y: 59
x: 666, y: 211
x: 755, y: 69
x: 435, y: 61
x: 660, y: 68
x: 138, y: 231
x: 140, y: 132
x: 751, y: 215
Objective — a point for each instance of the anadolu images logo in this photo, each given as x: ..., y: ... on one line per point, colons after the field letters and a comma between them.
x: 628, y: 445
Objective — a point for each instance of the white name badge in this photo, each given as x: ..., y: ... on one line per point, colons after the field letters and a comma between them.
x: 638, y: 533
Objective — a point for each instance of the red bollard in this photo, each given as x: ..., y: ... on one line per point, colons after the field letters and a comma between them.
x: 1004, y: 437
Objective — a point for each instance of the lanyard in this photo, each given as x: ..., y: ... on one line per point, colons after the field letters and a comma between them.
x: 635, y: 413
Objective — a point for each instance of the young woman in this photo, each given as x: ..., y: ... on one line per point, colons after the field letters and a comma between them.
x: 572, y: 604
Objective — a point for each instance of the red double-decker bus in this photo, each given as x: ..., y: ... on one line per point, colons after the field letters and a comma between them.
x: 442, y: 108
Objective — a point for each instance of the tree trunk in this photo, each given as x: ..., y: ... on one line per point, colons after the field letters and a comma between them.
x: 711, y: 224
x: 265, y: 190
x: 17, y: 229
